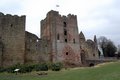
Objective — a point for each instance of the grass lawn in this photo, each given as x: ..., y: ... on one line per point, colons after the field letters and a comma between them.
x: 109, y: 71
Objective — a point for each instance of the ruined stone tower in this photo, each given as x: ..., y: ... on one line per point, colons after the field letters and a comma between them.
x: 62, y: 34
x: 89, y: 49
x: 12, y: 39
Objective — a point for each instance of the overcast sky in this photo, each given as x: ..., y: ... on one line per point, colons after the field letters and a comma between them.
x: 95, y: 17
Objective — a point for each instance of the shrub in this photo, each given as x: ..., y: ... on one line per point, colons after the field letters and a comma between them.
x: 56, y: 66
x: 26, y: 68
x: 41, y: 67
x: 2, y: 69
x: 11, y: 68
x: 23, y: 68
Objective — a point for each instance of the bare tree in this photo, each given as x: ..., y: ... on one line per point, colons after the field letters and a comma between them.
x: 107, y: 46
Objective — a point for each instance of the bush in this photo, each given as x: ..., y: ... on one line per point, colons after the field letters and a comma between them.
x: 12, y: 68
x: 2, y: 69
x: 56, y: 66
x: 26, y: 68
x: 23, y: 68
x: 41, y: 67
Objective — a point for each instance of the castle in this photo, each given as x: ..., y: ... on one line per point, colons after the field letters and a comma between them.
x: 60, y: 41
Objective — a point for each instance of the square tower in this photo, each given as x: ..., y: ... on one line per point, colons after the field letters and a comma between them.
x: 12, y: 35
x: 63, y: 36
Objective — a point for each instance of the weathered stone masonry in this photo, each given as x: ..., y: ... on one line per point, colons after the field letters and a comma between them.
x: 12, y: 37
x: 89, y: 49
x: 60, y: 41
x: 62, y: 32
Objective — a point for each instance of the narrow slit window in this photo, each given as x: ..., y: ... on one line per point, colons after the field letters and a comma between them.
x: 73, y: 40
x: 58, y: 37
x: 11, y: 25
x: 65, y: 32
x: 64, y: 23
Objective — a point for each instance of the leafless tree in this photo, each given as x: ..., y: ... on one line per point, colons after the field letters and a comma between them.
x: 107, y: 46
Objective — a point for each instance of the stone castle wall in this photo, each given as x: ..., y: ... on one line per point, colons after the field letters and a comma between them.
x: 31, y: 45
x: 12, y: 34
x: 92, y: 51
x: 1, y: 53
x: 36, y: 50
x: 59, y: 42
x: 89, y: 48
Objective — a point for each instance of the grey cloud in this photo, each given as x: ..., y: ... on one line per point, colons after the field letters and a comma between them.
x: 109, y: 18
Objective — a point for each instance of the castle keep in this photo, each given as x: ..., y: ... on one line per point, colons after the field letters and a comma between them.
x: 60, y: 41
x: 62, y: 33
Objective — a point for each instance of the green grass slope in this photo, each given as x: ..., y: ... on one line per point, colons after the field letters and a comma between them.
x: 109, y: 71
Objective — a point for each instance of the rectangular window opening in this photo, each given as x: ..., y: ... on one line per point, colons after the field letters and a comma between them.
x: 66, y: 53
x: 73, y: 40
x: 65, y: 32
x: 66, y: 40
x: 64, y: 24
x: 58, y: 37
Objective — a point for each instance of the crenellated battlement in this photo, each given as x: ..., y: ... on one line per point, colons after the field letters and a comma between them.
x: 53, y: 13
x: 71, y: 16
x: 7, y: 20
x: 10, y: 15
